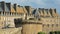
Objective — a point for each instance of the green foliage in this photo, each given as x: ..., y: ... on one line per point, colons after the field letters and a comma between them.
x: 55, y: 32
x: 52, y: 32
x: 41, y: 33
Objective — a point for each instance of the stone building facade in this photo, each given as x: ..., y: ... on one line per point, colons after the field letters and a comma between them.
x: 32, y: 20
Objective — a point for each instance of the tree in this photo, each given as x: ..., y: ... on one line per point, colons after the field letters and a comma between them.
x: 52, y: 32
x: 41, y: 33
x: 57, y: 32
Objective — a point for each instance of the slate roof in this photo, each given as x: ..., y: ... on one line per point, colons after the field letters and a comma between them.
x: 6, y: 8
x: 1, y: 7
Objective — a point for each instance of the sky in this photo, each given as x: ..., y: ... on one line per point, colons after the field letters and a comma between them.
x: 37, y: 3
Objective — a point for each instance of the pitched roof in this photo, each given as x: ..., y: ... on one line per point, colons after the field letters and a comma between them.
x: 12, y: 9
x: 20, y: 10
x: 1, y: 7
x: 6, y: 8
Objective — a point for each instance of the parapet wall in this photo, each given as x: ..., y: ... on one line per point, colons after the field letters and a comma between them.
x: 31, y: 27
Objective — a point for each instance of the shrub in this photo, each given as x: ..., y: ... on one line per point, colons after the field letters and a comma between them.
x: 57, y: 32
x: 41, y: 33
x: 51, y: 32
x: 54, y: 32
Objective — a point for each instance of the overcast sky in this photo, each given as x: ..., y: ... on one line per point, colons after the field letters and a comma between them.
x: 38, y: 3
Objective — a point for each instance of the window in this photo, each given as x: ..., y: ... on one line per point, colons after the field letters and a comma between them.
x: 43, y: 25
x: 52, y: 25
x: 48, y: 25
x: 56, y: 25
x: 10, y: 13
x: 0, y: 13
x: 3, y: 13
x: 39, y: 19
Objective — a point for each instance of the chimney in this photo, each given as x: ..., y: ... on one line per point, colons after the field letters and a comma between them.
x: 28, y: 9
x: 55, y: 10
x: 51, y: 11
x: 39, y: 9
x: 15, y: 7
x: 43, y: 10
x: 55, y: 13
x: 9, y: 6
x: 18, y: 5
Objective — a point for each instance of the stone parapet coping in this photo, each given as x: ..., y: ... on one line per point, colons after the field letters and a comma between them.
x: 31, y: 22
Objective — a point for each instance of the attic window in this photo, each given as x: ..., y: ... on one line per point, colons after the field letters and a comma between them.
x: 52, y: 25
x: 43, y: 25
x: 48, y: 25
x: 56, y: 25
x: 10, y: 13
x: 3, y: 13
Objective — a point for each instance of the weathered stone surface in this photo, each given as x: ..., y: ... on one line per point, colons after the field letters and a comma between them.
x: 11, y: 31
x: 31, y: 28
